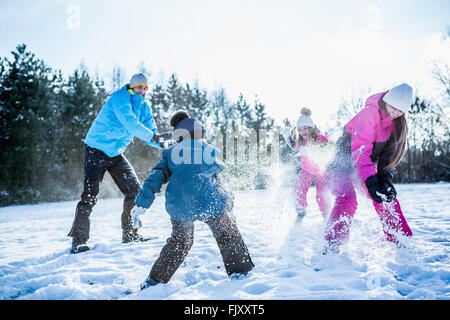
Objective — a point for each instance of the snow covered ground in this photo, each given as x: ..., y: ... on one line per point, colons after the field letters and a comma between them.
x: 35, y: 262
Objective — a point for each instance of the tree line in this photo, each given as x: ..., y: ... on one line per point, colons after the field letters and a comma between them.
x: 44, y: 118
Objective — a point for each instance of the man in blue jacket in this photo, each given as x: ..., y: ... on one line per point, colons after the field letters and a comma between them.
x: 125, y: 115
x: 195, y: 192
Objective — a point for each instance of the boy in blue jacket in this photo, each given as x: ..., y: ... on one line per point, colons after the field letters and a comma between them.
x: 195, y: 192
x: 125, y: 115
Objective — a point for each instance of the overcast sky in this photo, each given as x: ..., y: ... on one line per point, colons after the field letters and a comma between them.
x: 290, y: 54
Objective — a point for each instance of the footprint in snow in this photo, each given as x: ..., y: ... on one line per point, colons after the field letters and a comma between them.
x: 257, y: 288
x: 288, y: 274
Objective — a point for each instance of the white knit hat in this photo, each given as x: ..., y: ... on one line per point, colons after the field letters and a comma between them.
x: 139, y: 79
x: 400, y: 97
x: 305, y: 119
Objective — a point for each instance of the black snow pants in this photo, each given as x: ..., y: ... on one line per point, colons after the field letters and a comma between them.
x: 235, y: 254
x: 96, y: 163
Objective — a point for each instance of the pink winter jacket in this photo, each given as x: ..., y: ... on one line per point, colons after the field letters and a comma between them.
x: 309, y: 165
x: 371, y: 138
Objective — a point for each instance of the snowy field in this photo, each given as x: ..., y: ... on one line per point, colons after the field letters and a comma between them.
x: 35, y: 262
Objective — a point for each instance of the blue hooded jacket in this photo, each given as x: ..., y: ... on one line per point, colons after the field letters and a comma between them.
x: 195, y: 190
x: 125, y: 115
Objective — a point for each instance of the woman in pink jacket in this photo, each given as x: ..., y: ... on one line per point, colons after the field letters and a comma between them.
x: 308, y: 145
x: 372, y: 144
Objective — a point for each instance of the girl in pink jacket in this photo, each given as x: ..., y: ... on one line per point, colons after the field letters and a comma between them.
x: 372, y: 144
x: 308, y: 145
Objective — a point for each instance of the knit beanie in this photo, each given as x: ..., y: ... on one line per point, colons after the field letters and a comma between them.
x: 305, y: 119
x: 400, y: 97
x: 138, y: 79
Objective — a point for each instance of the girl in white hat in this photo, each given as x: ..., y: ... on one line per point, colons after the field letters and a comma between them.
x: 372, y: 144
x: 308, y: 145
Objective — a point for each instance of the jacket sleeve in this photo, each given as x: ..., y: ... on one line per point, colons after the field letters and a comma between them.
x: 149, y: 120
x: 124, y: 112
x: 159, y: 175
x: 292, y: 144
x: 363, y: 135
x: 385, y: 157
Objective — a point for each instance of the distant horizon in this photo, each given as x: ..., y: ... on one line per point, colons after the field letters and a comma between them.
x: 289, y: 54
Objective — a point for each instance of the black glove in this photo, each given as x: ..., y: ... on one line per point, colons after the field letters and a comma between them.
x: 375, y: 189
x: 160, y: 138
x: 387, y: 187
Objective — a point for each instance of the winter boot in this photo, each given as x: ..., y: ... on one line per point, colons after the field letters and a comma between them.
x: 78, y: 246
x: 149, y: 282
x: 81, y: 226
x: 129, y: 234
x: 330, y: 248
x: 81, y: 223
x: 133, y: 236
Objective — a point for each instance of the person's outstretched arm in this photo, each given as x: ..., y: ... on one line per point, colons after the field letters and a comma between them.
x: 148, y: 119
x: 286, y: 133
x: 159, y: 175
x: 124, y: 112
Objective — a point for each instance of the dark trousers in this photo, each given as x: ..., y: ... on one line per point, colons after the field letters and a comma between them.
x: 235, y: 255
x: 96, y: 163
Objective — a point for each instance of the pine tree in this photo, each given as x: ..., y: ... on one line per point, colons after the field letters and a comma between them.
x: 199, y: 105
x: 221, y: 116
x: 159, y: 104
x: 244, y: 115
x: 174, y: 93
x: 118, y: 78
x: 79, y: 102
x: 260, y: 122
x: 27, y: 113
